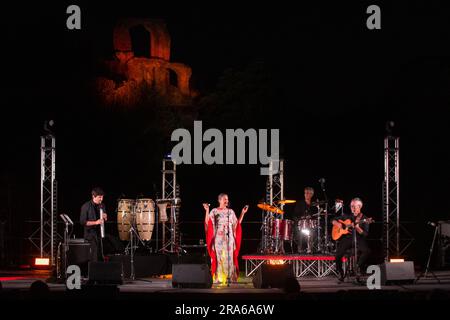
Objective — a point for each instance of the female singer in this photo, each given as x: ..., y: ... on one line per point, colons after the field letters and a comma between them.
x: 221, y: 223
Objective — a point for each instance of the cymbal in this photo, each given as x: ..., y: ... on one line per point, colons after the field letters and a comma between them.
x: 268, y: 207
x: 322, y: 214
x: 318, y: 203
x: 286, y: 201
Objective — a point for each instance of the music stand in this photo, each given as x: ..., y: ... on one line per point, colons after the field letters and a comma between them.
x: 67, y: 221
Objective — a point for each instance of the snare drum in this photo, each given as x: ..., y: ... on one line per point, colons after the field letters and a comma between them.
x: 125, y: 218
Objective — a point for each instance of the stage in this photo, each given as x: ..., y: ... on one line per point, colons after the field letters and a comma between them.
x: 16, y: 286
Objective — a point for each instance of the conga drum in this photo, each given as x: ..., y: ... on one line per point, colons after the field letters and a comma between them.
x: 125, y: 218
x: 145, y: 218
x: 162, y: 209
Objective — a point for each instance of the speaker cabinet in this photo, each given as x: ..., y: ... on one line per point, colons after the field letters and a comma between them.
x: 395, y: 272
x: 78, y: 253
x: 191, y: 276
x: 273, y: 276
x: 105, y: 273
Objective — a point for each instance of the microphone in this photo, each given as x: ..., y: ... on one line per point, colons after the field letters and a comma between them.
x: 102, y: 226
x: 322, y: 183
x: 431, y: 223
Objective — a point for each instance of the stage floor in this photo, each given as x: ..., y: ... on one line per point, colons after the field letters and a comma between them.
x: 16, y: 284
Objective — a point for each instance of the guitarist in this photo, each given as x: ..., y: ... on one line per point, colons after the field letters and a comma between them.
x: 346, y: 241
x: 91, y: 221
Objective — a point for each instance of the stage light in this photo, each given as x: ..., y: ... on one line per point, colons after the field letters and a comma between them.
x: 49, y: 125
x: 390, y: 127
x: 42, y: 262
x: 275, y: 262
x: 396, y: 260
x: 306, y: 232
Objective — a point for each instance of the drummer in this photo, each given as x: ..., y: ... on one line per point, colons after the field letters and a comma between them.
x: 304, y: 210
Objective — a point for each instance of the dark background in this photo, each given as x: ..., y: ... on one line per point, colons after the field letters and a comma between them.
x: 313, y: 71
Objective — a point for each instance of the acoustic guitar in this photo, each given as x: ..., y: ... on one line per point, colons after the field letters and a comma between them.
x: 347, y: 227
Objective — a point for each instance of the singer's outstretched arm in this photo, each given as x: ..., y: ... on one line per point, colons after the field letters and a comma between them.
x: 206, y: 207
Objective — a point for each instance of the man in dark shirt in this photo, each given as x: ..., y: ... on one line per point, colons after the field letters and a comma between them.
x: 346, y: 241
x: 303, y: 210
x: 91, y: 220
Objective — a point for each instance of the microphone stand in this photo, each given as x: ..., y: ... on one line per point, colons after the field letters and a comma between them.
x: 431, y: 250
x: 429, y: 256
x: 228, y: 247
x: 322, y: 184
x: 355, y: 247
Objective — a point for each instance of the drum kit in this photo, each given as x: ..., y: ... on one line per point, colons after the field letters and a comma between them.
x: 276, y: 230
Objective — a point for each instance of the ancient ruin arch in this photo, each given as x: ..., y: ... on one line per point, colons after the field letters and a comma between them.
x: 159, y: 37
x: 183, y: 73
x: 140, y: 44
x: 173, y: 78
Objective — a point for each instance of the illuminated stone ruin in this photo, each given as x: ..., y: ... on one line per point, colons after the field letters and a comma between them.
x: 128, y: 74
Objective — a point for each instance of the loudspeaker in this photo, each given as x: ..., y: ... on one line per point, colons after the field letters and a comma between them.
x: 144, y: 266
x: 191, y: 276
x: 274, y: 276
x: 105, y: 273
x: 394, y: 272
x: 78, y: 253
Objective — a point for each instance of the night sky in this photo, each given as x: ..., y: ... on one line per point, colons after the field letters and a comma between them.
x: 313, y: 71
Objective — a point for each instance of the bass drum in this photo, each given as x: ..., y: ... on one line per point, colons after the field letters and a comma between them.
x: 125, y: 218
x: 145, y: 218
x: 307, y: 224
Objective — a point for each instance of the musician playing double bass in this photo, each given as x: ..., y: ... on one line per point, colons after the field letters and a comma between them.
x: 91, y: 221
x: 360, y: 224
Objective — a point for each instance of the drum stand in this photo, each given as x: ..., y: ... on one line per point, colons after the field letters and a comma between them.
x: 319, y: 231
x: 172, y: 243
x: 132, y: 247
